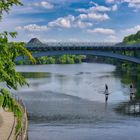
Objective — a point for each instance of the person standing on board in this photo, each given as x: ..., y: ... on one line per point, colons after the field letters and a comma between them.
x: 132, y: 91
x: 106, y: 92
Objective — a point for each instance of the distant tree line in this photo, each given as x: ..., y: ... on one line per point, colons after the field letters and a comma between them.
x: 64, y: 59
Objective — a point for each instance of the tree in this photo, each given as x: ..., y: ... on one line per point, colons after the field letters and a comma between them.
x: 5, y: 5
x: 132, y: 39
x: 9, y: 51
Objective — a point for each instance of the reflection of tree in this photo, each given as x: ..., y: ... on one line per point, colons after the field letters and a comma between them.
x: 128, y: 78
x: 35, y: 74
x: 129, y: 108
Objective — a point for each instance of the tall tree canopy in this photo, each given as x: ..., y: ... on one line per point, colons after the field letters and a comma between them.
x: 132, y: 39
x: 9, y: 51
x: 5, y: 5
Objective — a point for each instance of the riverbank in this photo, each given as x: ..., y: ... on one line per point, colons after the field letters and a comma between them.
x: 7, y: 125
x: 13, y: 118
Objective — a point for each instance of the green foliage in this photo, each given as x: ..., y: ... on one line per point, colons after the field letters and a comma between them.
x: 18, y: 113
x: 5, y: 5
x: 8, y: 53
x: 132, y: 39
x: 131, y: 68
x: 64, y: 59
x: 1, y: 100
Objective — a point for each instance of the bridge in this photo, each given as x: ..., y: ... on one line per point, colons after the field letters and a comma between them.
x: 39, y: 49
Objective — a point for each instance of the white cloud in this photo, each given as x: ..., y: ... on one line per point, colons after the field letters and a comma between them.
x: 110, y: 1
x: 131, y: 30
x: 99, y: 17
x: 81, y: 24
x: 98, y: 8
x: 62, y: 22
x: 94, y: 3
x: 83, y: 16
x: 114, y: 7
x: 134, y: 3
x: 112, y: 38
x: 81, y: 21
x: 44, y: 4
x: 96, y: 12
x: 68, y: 22
x: 131, y: 3
x: 95, y: 8
x: 32, y: 28
x: 104, y: 31
x: 94, y: 16
x: 34, y: 7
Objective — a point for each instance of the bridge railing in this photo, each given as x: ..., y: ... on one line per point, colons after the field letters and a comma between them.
x: 72, y: 44
x: 106, y: 45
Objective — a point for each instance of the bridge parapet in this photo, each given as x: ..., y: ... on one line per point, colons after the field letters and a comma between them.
x: 72, y: 44
x: 84, y: 46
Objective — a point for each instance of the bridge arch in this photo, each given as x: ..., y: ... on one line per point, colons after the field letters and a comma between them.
x: 84, y: 52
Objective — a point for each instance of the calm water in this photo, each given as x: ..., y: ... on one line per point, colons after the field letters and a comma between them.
x: 65, y: 102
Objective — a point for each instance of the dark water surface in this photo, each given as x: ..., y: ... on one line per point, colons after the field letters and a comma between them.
x: 65, y: 102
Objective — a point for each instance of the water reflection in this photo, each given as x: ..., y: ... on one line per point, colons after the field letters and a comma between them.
x: 64, y: 101
x: 131, y: 108
x: 72, y: 93
x: 128, y: 78
x: 85, y: 85
x: 36, y: 75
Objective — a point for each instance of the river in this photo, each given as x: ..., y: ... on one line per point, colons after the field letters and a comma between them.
x: 66, y: 102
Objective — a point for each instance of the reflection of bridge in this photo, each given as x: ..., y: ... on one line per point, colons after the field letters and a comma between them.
x: 98, y: 49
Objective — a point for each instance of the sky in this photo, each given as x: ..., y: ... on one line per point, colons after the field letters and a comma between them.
x: 73, y: 20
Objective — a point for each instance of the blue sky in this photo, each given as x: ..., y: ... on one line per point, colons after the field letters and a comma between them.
x: 73, y: 20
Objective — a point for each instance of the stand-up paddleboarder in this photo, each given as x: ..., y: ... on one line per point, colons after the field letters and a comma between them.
x: 106, y: 92
x: 132, y: 92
